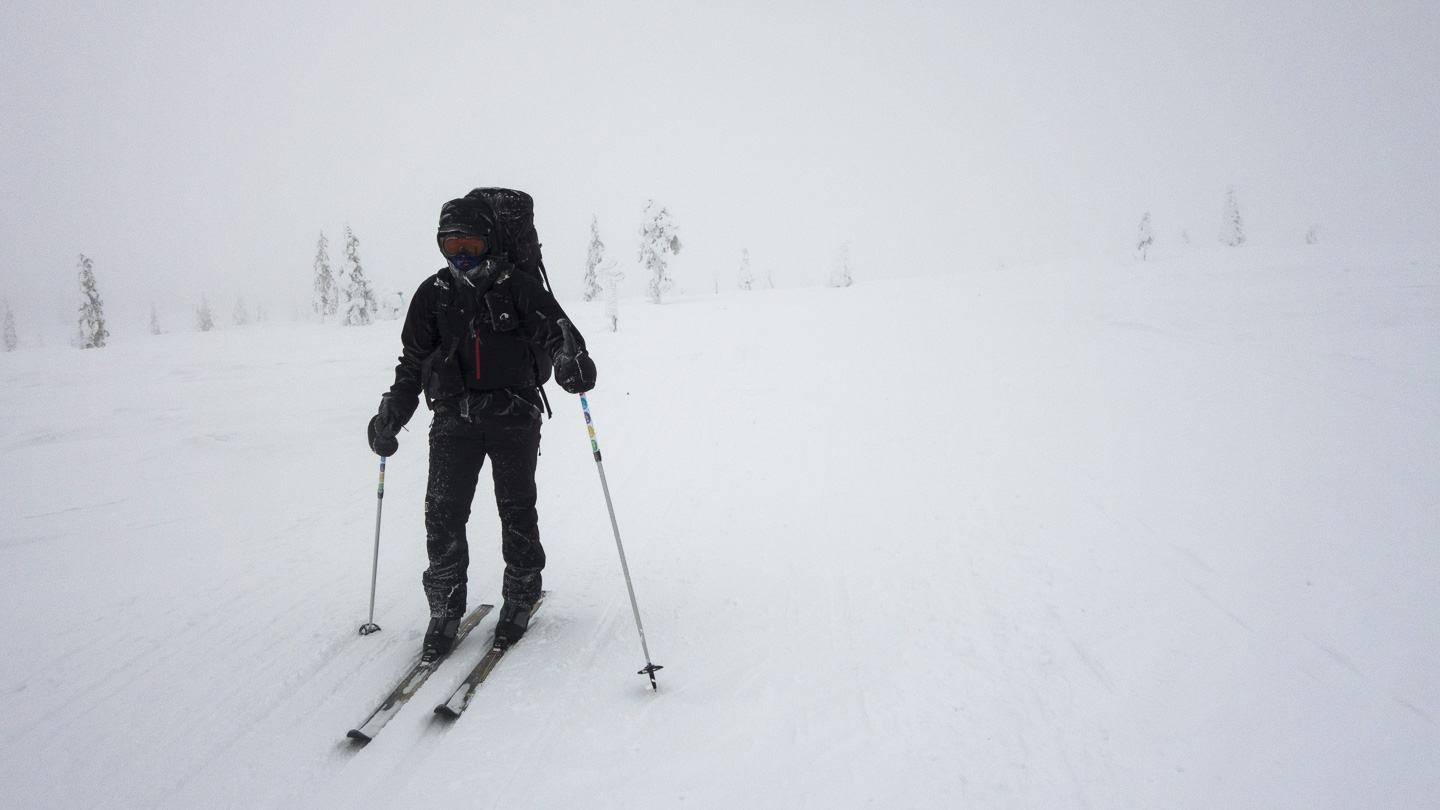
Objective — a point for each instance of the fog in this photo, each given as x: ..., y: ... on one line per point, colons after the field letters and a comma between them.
x: 192, y: 150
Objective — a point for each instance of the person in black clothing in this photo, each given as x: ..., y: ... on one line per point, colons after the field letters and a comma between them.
x: 479, y: 339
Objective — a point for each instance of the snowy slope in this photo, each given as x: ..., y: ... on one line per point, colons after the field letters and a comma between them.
x: 1153, y: 535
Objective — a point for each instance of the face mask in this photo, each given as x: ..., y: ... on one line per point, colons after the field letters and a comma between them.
x: 464, y: 262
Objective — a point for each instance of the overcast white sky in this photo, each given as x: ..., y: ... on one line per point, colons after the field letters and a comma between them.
x: 191, y: 147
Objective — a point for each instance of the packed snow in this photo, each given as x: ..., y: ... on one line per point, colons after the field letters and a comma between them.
x: 1126, y: 534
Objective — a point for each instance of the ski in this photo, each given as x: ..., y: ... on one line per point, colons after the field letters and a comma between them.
x: 460, y: 699
x: 411, y: 683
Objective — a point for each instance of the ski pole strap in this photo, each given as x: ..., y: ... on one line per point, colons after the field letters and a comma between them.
x: 590, y: 426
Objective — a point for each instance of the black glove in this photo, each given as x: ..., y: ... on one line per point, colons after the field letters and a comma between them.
x: 383, y: 445
x: 575, y: 374
x: 385, y: 425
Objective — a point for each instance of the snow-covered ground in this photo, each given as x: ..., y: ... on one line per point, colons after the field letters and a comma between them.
x: 1138, y: 535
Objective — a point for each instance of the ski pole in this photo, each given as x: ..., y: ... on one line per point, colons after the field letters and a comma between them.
x: 650, y: 667
x: 371, y: 627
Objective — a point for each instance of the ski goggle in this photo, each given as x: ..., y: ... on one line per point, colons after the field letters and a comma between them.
x: 452, y: 245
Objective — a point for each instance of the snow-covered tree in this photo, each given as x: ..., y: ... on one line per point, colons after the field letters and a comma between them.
x: 658, y: 241
x: 611, y: 276
x: 327, y: 298
x: 1185, y: 237
x: 1145, y: 239
x: 747, y: 278
x: 1312, y: 235
x: 11, y: 339
x: 204, y: 320
x: 769, y: 278
x: 241, y: 314
x: 1232, y: 230
x: 392, y: 305
x: 155, y: 322
x: 593, y: 259
x: 359, y: 298
x: 844, y: 274
x: 91, y: 332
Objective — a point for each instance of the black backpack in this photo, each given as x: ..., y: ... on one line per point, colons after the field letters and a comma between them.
x: 520, y: 244
x: 515, y: 214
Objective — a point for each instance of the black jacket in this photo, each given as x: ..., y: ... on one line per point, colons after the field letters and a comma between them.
x: 478, y: 344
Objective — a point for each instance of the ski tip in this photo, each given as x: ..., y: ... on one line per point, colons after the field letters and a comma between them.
x: 444, y: 710
x: 358, y: 736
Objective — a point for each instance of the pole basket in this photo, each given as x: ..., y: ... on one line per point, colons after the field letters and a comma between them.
x: 650, y: 670
x: 368, y: 628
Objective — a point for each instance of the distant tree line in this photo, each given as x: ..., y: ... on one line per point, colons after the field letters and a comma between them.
x: 92, y: 326
x: 1232, y: 228
x: 347, y: 296
x: 659, y: 241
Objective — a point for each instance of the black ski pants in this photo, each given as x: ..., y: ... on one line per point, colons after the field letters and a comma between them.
x: 458, y: 448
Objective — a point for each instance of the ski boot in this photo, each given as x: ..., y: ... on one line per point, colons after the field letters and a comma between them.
x: 514, y: 620
x: 439, y: 638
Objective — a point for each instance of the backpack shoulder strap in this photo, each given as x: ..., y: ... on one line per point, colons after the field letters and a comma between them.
x: 450, y: 314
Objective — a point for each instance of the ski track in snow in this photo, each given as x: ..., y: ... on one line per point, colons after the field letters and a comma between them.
x: 1148, y: 535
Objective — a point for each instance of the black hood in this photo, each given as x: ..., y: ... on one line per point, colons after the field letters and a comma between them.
x: 467, y: 216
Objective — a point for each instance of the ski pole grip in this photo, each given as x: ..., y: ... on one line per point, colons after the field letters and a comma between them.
x: 566, y: 330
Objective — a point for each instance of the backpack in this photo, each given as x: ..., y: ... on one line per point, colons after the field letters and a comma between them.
x: 515, y: 215
x: 520, y: 244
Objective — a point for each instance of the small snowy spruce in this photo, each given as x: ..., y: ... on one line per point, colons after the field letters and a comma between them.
x: 1232, y: 230
x: 204, y: 320
x: 747, y: 277
x: 392, y: 305
x: 359, y: 298
x: 11, y: 340
x: 611, y: 275
x: 326, y: 301
x: 1145, y: 239
x: 1312, y: 235
x: 91, y: 333
x: 155, y: 322
x: 844, y: 274
x: 658, y: 241
x: 241, y: 313
x: 593, y: 259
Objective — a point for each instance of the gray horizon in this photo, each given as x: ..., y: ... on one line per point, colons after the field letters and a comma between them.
x: 192, y: 150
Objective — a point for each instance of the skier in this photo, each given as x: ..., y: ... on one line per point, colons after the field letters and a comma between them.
x: 476, y: 338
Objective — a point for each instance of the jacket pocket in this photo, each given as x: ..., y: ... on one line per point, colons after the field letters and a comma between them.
x: 503, y: 317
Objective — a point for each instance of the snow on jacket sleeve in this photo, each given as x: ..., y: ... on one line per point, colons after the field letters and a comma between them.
x: 419, y: 338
